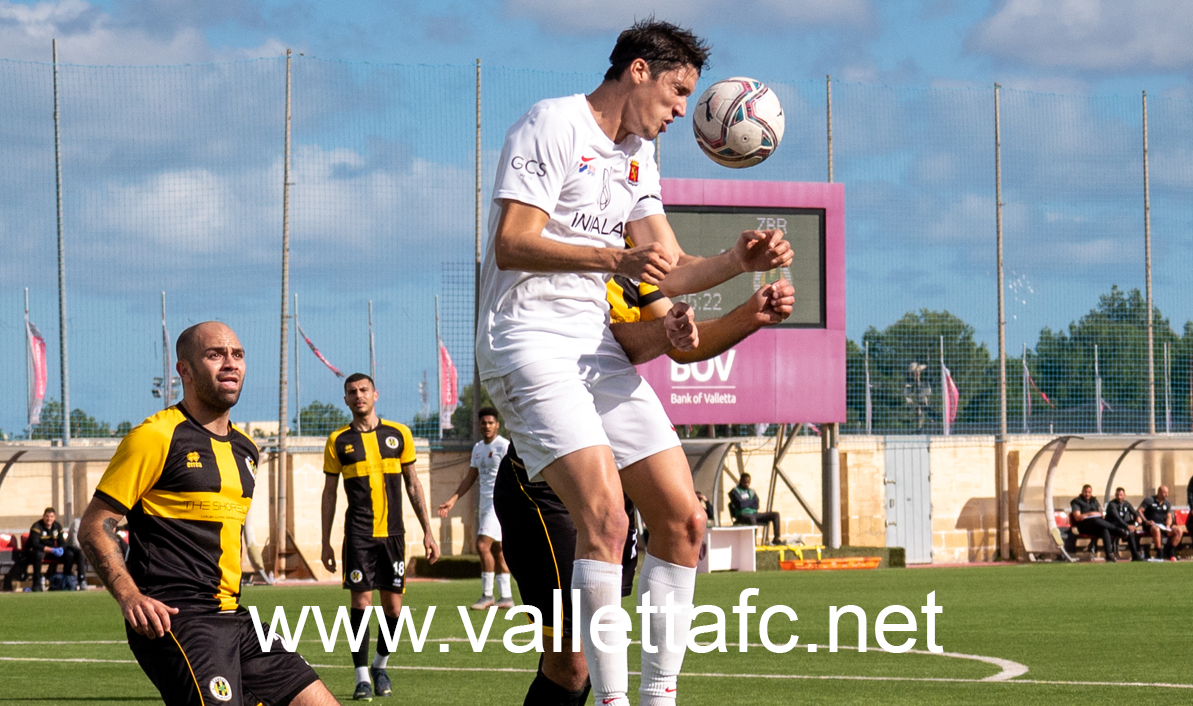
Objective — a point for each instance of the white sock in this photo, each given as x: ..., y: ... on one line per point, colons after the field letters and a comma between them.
x: 380, y: 661
x: 661, y: 669
x: 486, y: 583
x: 362, y: 674
x: 503, y: 585
x: 600, y: 585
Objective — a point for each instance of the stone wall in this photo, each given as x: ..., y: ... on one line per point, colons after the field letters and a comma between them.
x: 963, y: 503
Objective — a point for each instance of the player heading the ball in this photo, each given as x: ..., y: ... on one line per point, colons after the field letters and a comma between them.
x: 576, y: 183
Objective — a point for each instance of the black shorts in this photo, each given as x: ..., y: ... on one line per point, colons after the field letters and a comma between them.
x: 216, y: 658
x: 539, y: 541
x: 375, y: 563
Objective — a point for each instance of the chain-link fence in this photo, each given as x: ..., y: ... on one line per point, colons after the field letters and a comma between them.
x: 172, y: 181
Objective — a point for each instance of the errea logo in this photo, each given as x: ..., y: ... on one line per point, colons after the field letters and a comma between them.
x: 192, y: 460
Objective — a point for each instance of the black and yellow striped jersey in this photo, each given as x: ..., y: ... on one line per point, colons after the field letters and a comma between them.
x: 186, y: 492
x: 371, y: 463
x: 627, y: 297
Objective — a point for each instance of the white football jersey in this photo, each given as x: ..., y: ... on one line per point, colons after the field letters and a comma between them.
x: 558, y: 159
x: 485, y: 459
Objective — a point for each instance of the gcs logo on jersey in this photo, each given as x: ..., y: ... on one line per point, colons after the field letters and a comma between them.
x: 533, y: 167
x: 392, y: 442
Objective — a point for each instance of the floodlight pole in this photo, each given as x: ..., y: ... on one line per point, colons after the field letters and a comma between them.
x: 372, y: 349
x: 476, y: 273
x: 1000, y: 441
x: 297, y: 377
x: 279, y: 539
x: 68, y: 495
x: 828, y: 89
x: 1147, y: 256
x: 830, y: 491
x: 167, y: 369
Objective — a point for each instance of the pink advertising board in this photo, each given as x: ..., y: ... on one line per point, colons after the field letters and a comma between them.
x: 790, y: 374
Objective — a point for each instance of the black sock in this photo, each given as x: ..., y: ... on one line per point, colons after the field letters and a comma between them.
x: 392, y: 622
x: 544, y: 692
x: 360, y: 658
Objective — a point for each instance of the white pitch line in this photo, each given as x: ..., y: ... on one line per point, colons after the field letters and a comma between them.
x: 713, y: 675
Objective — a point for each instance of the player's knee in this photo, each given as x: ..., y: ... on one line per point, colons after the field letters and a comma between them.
x: 610, y: 530
x: 693, y: 527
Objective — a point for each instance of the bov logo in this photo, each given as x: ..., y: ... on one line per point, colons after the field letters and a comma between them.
x: 703, y: 371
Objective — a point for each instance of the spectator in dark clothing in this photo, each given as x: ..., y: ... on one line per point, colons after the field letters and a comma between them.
x: 743, y: 506
x: 1087, y: 519
x: 1121, y: 514
x: 1156, y: 513
x: 46, y: 539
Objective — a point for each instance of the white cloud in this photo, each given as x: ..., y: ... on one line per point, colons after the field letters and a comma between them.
x: 1093, y: 35
x: 598, y: 16
x: 88, y: 35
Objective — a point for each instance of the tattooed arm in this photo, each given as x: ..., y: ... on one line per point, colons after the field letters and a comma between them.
x: 97, y: 536
x: 419, y: 504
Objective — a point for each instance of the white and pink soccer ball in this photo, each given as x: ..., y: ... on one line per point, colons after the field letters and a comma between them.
x: 738, y: 122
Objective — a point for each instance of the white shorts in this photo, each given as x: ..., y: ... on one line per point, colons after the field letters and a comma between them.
x: 486, y: 520
x: 554, y: 407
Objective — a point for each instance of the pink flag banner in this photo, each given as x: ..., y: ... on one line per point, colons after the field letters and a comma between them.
x: 952, y: 398
x: 1032, y: 381
x: 319, y: 355
x: 37, y: 381
x: 449, y: 393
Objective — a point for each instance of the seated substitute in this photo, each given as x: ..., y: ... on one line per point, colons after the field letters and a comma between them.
x: 743, y: 506
x: 1088, y: 519
x: 540, y: 536
x: 1121, y: 514
x: 48, y: 540
x: 1156, y: 513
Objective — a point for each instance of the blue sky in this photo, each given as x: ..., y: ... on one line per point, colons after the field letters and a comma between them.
x: 1065, y: 46
x: 914, y: 149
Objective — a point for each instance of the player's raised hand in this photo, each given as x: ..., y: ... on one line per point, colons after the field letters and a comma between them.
x: 647, y: 263
x: 762, y: 250
x: 147, y: 616
x: 431, y: 547
x: 329, y: 558
x: 773, y: 303
x: 680, y: 324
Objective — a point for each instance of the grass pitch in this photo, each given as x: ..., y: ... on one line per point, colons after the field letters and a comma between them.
x: 1083, y: 632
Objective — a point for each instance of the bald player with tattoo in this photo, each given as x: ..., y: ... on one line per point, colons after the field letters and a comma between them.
x: 184, y: 478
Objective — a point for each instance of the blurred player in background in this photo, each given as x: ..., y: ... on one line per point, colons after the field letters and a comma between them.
x: 542, y: 536
x: 486, y: 457
x: 48, y: 542
x: 376, y: 458
x: 576, y: 182
x: 184, y: 478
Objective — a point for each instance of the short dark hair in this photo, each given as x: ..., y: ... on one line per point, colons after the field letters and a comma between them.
x: 1087, y: 485
x: 744, y: 476
x: 488, y: 412
x: 48, y: 510
x: 662, y: 45
x: 1118, y: 489
x: 357, y: 377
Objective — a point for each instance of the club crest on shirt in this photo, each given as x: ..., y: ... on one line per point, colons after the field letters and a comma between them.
x: 633, y: 177
x: 220, y: 689
x: 392, y: 442
x: 252, y: 465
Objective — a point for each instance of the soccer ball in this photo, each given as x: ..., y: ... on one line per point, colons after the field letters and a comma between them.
x: 738, y: 122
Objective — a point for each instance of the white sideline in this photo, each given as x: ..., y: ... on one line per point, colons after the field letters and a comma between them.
x: 715, y: 675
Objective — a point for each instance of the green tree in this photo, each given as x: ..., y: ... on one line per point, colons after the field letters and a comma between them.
x: 905, y: 375
x: 1063, y: 362
x: 123, y: 428
x: 82, y: 425
x: 321, y: 419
